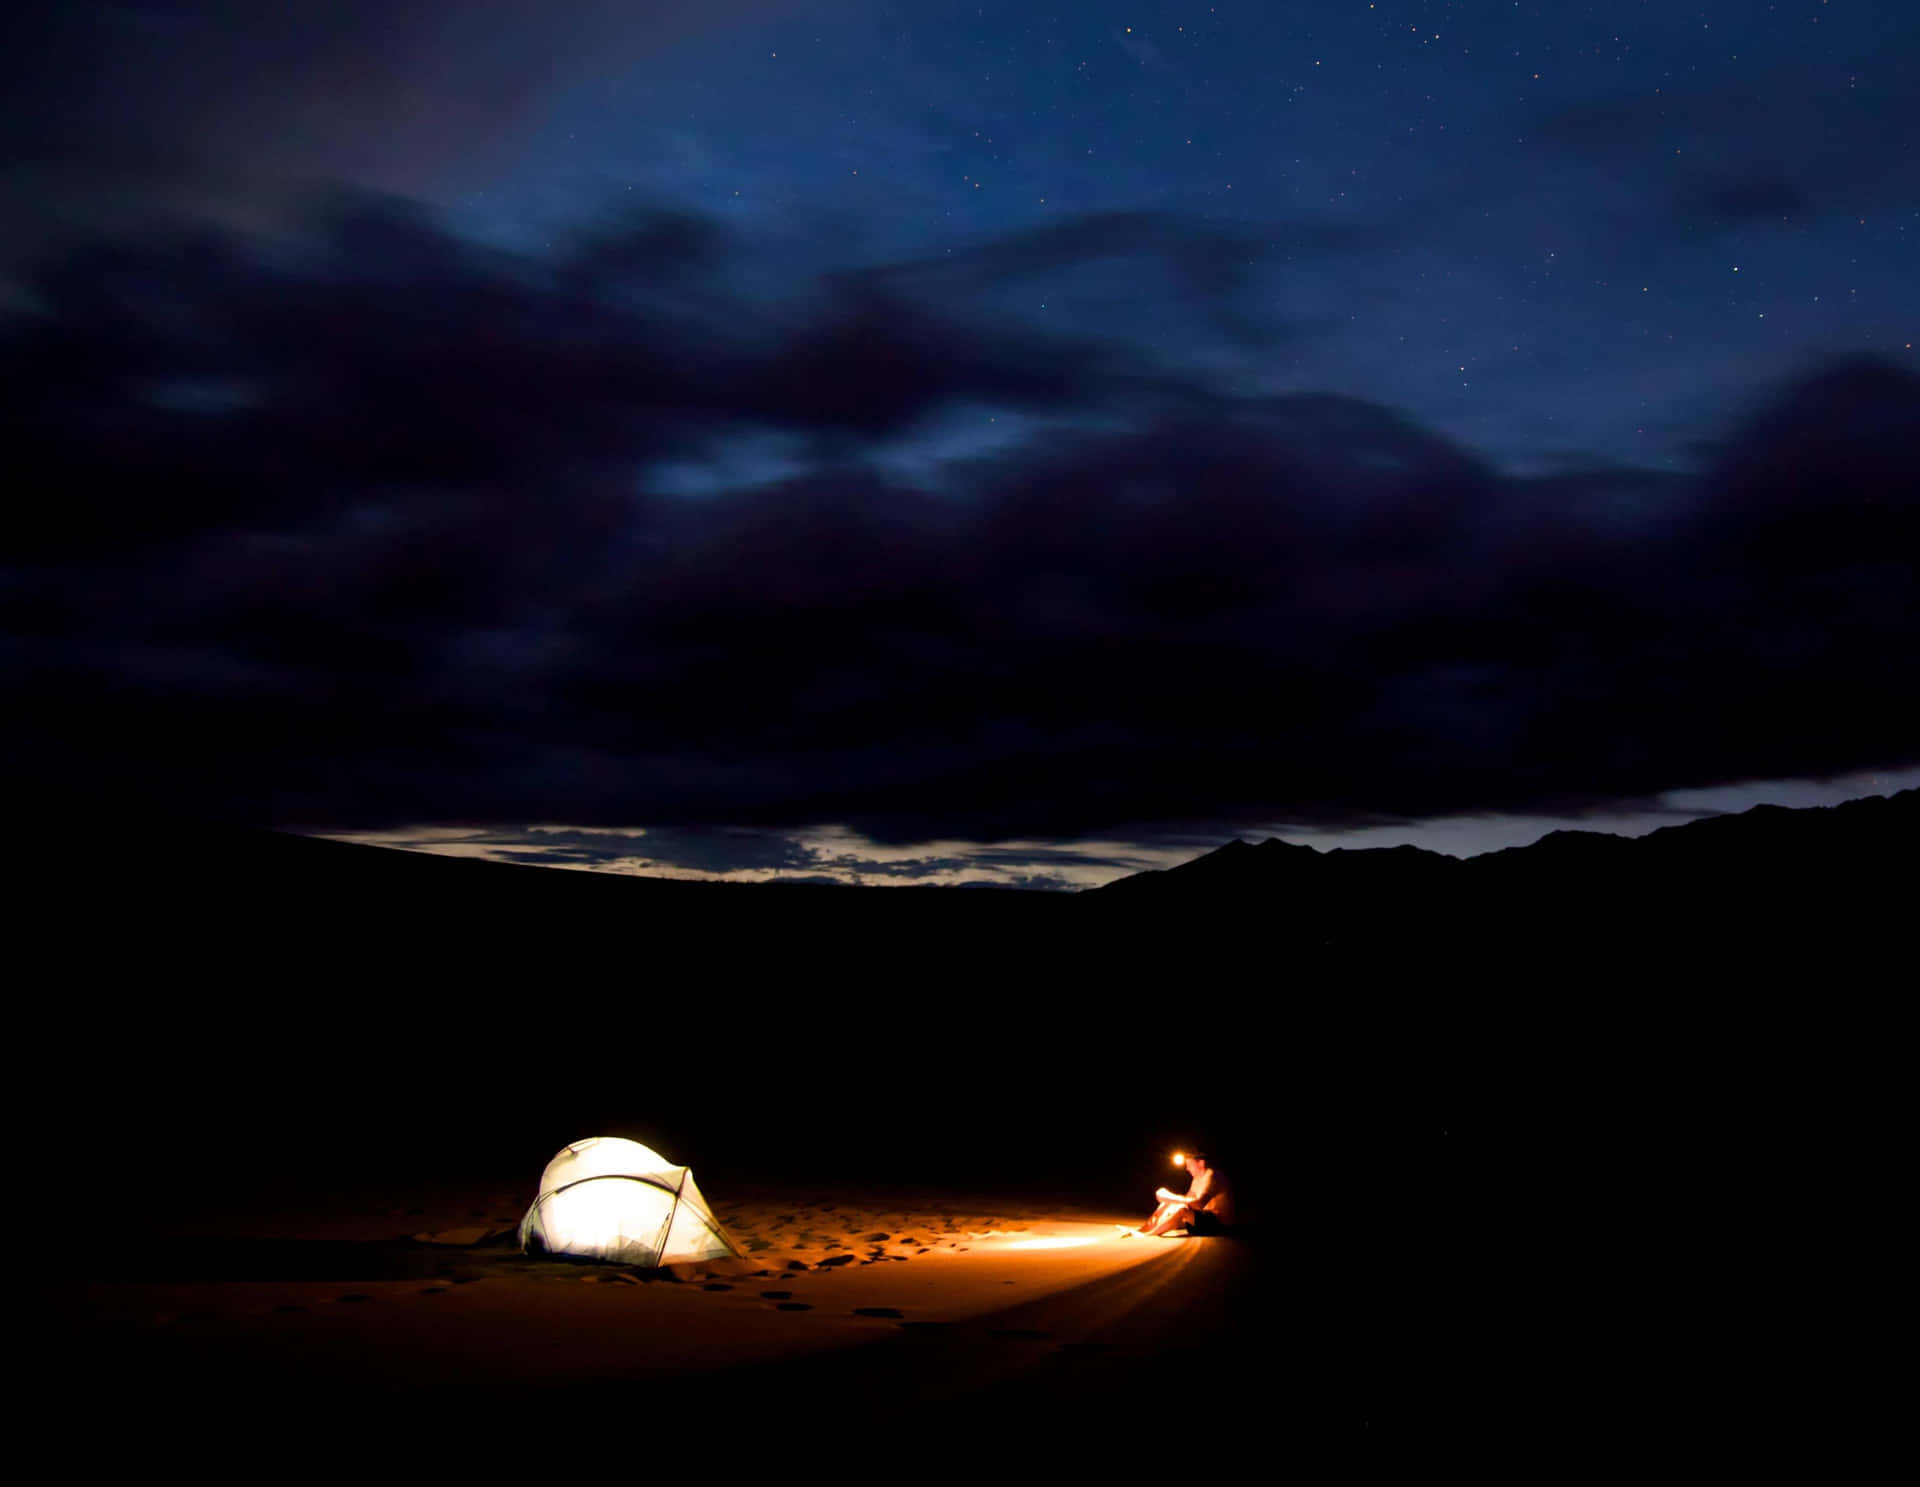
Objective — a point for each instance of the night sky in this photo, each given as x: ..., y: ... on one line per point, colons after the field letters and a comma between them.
x: 1005, y: 443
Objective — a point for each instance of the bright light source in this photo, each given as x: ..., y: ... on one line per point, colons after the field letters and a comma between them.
x: 1179, y: 1159
x: 1061, y: 1243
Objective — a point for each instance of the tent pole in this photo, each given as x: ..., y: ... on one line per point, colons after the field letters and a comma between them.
x: 672, y: 1214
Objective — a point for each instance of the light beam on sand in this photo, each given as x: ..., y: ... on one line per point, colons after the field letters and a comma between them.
x: 1063, y: 1242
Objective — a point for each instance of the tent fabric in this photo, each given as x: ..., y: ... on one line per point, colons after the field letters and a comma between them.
x: 607, y: 1198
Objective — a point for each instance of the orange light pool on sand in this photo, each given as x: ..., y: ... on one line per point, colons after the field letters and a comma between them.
x: 1063, y: 1242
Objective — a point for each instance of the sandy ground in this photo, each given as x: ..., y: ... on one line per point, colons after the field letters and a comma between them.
x: 880, y: 1316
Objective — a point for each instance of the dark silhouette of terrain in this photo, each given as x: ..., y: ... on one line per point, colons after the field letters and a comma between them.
x: 281, y: 989
x: 1476, y: 1111
x: 1727, y: 884
x: 1731, y: 888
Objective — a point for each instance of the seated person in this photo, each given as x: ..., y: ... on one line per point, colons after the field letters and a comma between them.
x: 1205, y: 1207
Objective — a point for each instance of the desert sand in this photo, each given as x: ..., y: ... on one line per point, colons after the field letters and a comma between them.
x: 869, y: 1316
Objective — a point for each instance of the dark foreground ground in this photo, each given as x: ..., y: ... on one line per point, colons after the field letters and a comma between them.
x: 1098, y: 1374
x: 1511, y: 1193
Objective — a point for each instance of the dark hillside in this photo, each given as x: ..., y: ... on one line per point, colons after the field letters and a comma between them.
x: 1740, y: 889
x: 1389, y: 1039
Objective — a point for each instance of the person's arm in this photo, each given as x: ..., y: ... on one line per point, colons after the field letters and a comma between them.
x: 1196, y: 1195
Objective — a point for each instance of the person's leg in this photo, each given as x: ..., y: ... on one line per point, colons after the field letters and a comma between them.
x: 1158, y: 1217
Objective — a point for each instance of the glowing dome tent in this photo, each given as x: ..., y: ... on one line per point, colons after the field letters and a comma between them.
x: 606, y: 1198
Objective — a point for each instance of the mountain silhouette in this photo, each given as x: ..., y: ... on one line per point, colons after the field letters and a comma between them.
x: 1731, y: 884
x: 1836, y: 875
x: 1389, y: 1032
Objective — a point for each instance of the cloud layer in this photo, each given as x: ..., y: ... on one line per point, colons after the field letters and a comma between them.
x: 365, y: 536
x: 117, y: 112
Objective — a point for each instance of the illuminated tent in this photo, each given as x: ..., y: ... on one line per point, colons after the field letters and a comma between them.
x: 606, y: 1198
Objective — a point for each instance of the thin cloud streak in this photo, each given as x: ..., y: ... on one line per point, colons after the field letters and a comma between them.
x: 837, y: 855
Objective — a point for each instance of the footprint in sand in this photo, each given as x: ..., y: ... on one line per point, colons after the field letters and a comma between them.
x: 893, y: 1312
x: 716, y: 1285
x: 926, y: 1327
x: 1018, y: 1334
x: 833, y: 1260
x: 793, y: 1306
x: 878, y: 1238
x: 777, y: 1295
x: 796, y: 1264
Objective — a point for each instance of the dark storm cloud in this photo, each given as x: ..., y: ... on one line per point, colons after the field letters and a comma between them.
x: 872, y: 363
x: 1215, y: 270
x: 117, y: 112
x: 366, y: 540
x: 1214, y: 256
x: 406, y: 362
